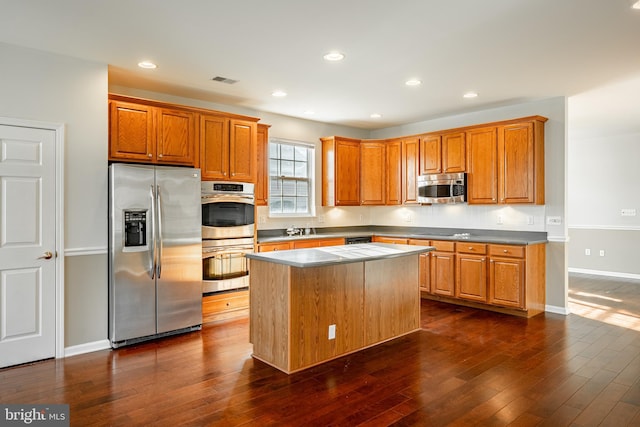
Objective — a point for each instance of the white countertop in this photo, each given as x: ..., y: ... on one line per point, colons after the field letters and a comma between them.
x: 328, y: 255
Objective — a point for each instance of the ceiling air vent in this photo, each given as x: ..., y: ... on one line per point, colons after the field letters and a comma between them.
x: 224, y: 80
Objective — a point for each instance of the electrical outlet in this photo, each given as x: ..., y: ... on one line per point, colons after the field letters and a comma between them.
x: 628, y: 212
x: 587, y: 251
x: 332, y: 332
x: 262, y: 219
x: 320, y: 218
x: 500, y: 220
x: 601, y: 252
x: 407, y: 218
x: 554, y: 220
x: 530, y: 220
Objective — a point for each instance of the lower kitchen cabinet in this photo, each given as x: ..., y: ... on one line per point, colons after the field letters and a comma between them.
x: 471, y: 272
x: 443, y: 268
x: 392, y: 240
x: 225, y: 305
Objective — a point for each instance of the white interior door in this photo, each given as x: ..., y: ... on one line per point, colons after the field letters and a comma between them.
x: 27, y: 244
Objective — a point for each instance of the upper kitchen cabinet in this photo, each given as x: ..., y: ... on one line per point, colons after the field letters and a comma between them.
x: 393, y: 161
x: 151, y: 134
x: 410, y: 153
x: 262, y: 181
x: 521, y: 162
x: 340, y: 171
x: 444, y: 153
x: 372, y: 172
x: 228, y: 148
x: 506, y: 162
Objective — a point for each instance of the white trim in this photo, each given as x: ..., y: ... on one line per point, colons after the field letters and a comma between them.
x: 558, y: 239
x: 605, y: 273
x: 606, y: 227
x: 59, y: 129
x: 86, y: 348
x: 86, y: 251
x: 557, y: 310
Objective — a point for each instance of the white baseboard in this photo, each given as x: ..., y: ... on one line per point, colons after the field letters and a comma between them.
x: 604, y: 273
x: 86, y: 348
x: 557, y: 310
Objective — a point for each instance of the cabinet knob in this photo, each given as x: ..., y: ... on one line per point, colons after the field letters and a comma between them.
x: 149, y: 155
x: 470, y: 248
x: 159, y: 155
x: 505, y: 251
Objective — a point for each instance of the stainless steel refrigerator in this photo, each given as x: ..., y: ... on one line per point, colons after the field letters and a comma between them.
x: 155, y: 252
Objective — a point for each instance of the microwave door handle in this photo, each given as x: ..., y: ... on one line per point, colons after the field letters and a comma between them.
x: 160, y: 243
x: 152, y: 252
x: 451, y: 191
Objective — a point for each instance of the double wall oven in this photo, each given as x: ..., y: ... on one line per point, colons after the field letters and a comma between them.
x: 227, y: 234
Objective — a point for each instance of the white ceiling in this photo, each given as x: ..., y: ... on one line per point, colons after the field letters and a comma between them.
x: 506, y: 50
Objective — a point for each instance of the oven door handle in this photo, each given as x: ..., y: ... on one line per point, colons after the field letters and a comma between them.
x: 218, y: 198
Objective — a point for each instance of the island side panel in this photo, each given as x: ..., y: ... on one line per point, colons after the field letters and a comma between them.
x: 392, y: 298
x: 323, y: 296
x: 269, y: 312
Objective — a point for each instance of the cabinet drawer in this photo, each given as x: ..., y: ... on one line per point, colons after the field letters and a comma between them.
x: 268, y: 247
x: 444, y: 246
x: 224, y: 302
x: 472, y: 248
x: 396, y: 240
x: 507, y: 250
x: 420, y: 242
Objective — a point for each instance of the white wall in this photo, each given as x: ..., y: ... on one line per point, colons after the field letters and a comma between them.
x: 46, y: 87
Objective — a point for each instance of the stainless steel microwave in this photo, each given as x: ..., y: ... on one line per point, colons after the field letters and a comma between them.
x: 442, y: 188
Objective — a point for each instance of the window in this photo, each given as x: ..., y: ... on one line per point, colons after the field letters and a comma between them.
x: 290, y: 178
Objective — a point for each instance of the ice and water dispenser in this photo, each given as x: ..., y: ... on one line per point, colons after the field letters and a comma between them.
x: 135, y: 229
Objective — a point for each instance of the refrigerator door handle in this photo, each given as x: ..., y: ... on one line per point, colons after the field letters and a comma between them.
x: 152, y: 253
x: 159, y: 259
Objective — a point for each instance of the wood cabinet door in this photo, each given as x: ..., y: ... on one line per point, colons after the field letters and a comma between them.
x: 262, y: 161
x: 425, y: 272
x: 482, y: 162
x: 430, y: 154
x: 516, y: 163
x: 471, y: 277
x: 393, y: 190
x: 372, y: 173
x: 410, y: 151
x: 214, y: 147
x: 443, y: 267
x: 347, y: 177
x: 131, y: 132
x: 242, y: 150
x: 454, y: 153
x: 506, y: 282
x: 175, y: 137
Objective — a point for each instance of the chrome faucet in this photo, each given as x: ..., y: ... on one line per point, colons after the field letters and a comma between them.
x: 293, y: 230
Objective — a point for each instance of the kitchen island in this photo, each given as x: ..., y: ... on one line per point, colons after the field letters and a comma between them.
x: 308, y: 306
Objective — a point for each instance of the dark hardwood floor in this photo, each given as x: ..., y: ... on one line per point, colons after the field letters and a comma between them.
x: 466, y: 367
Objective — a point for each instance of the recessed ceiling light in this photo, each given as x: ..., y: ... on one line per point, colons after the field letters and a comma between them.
x: 334, y: 56
x: 636, y: 5
x: 413, y: 82
x: 376, y: 115
x: 470, y: 95
x: 147, y: 64
x: 279, y: 93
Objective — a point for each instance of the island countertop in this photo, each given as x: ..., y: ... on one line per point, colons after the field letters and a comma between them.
x: 330, y: 255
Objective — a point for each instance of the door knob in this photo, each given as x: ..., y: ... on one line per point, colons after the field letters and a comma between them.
x: 46, y: 255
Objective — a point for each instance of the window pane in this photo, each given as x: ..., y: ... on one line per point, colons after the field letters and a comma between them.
x: 288, y: 187
x: 301, y: 169
x: 273, y: 167
x: 303, y: 188
x: 286, y: 151
x: 274, y: 149
x: 301, y: 153
x: 288, y: 204
x: 275, y: 187
x: 302, y: 204
x: 286, y: 168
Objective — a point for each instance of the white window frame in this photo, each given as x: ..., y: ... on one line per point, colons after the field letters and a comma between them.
x: 311, y: 212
